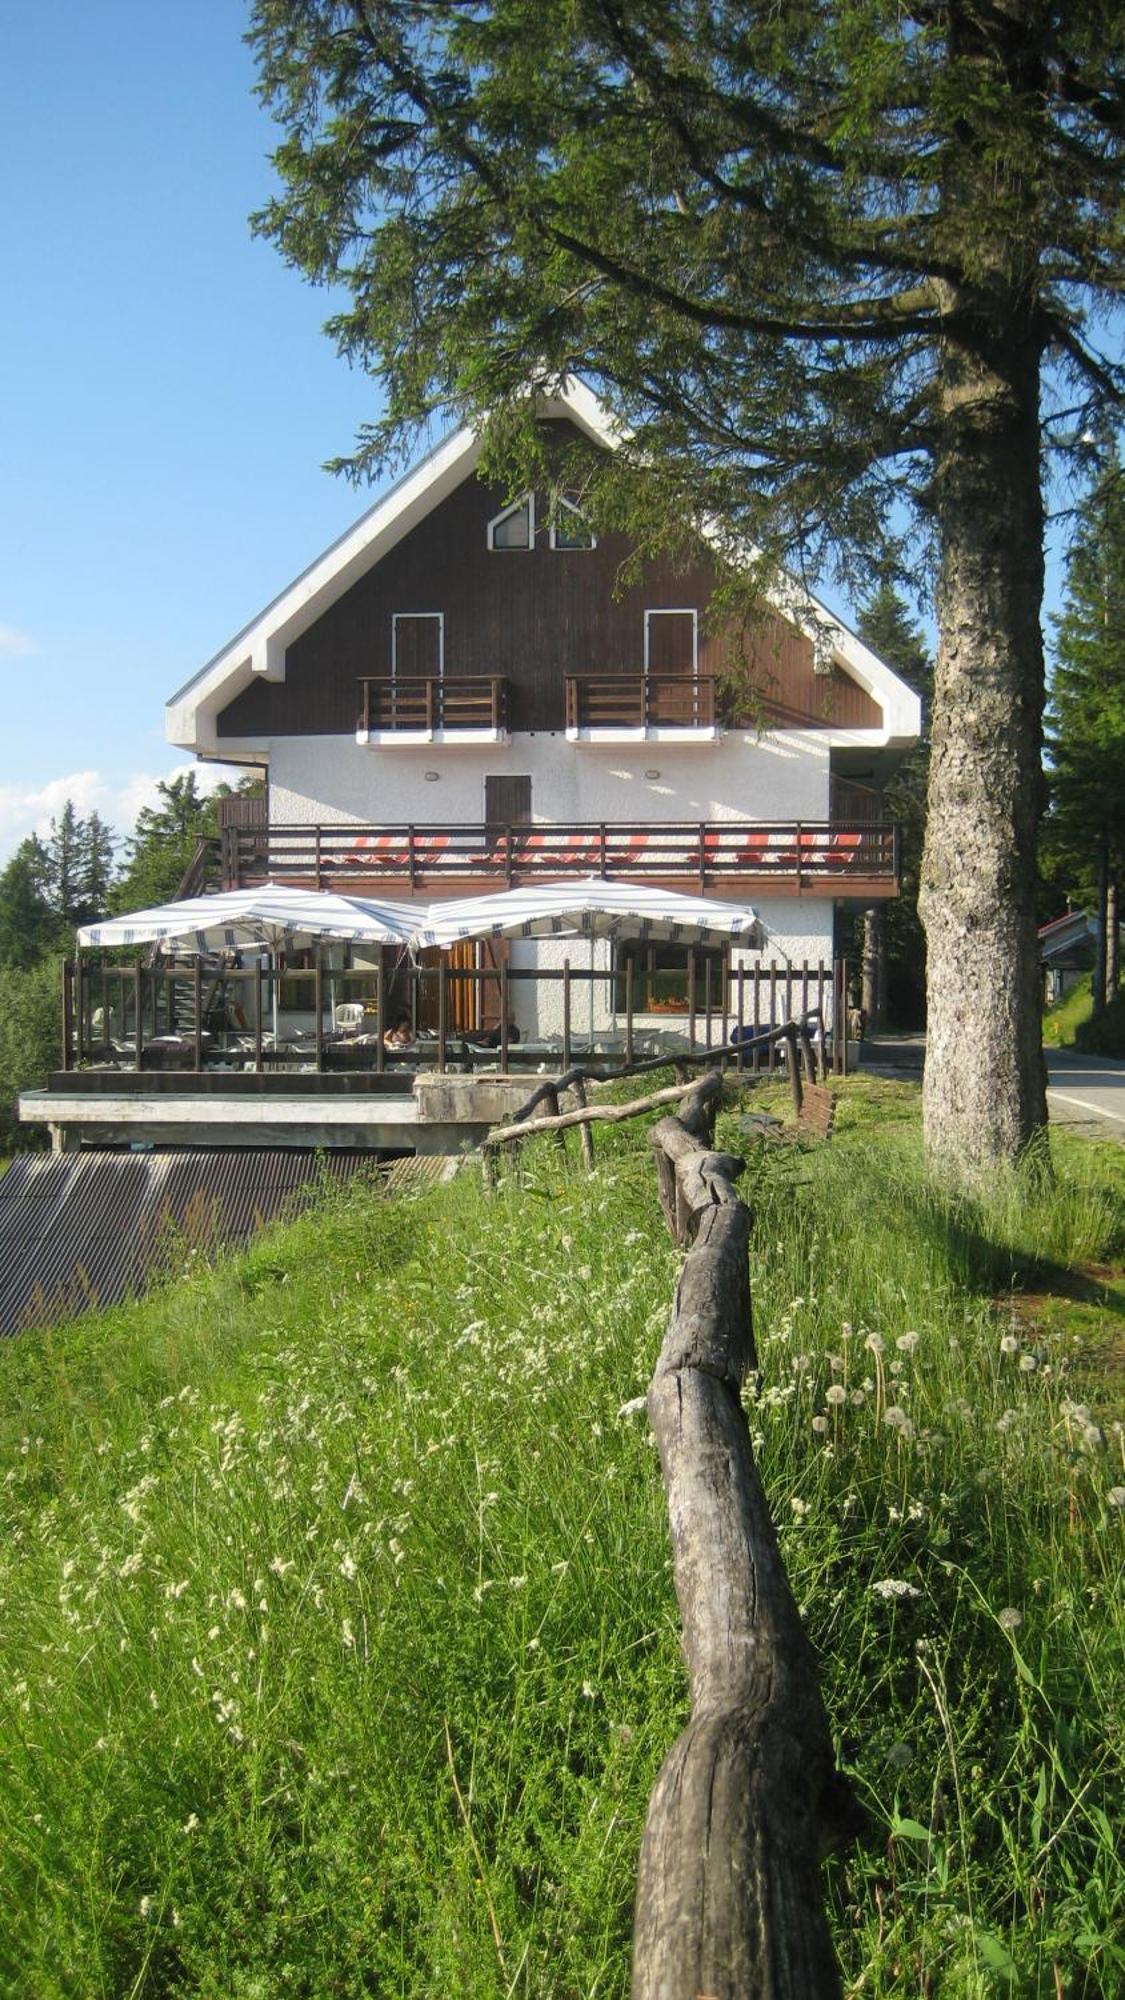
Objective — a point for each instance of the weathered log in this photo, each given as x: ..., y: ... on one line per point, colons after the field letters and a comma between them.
x: 601, y: 1114
x: 729, y: 1900
x: 585, y: 1135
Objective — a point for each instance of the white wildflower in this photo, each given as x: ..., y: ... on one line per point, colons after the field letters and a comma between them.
x: 280, y: 1567
x: 836, y: 1394
x: 347, y: 1566
x: 820, y: 1425
x: 1009, y: 1344
x: 1028, y: 1364
x: 894, y: 1586
x: 800, y: 1507
x: 1009, y: 1620
x: 1116, y: 1496
x: 875, y: 1344
x: 907, y: 1342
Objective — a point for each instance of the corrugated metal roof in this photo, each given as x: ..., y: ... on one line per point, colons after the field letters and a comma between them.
x: 93, y: 1228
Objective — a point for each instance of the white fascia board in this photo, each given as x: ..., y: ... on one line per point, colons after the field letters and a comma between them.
x: 259, y: 649
x: 902, y: 708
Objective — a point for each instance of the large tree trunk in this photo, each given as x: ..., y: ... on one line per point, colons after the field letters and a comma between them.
x: 984, y: 1094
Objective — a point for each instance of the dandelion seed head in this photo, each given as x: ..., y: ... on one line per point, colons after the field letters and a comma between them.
x: 907, y: 1342
x: 1009, y: 1344
x: 1028, y: 1364
x: 1009, y: 1620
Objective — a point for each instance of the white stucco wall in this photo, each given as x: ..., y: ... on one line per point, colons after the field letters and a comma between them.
x: 326, y: 779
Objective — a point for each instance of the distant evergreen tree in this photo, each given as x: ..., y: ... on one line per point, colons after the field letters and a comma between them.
x: 95, y: 868
x: 29, y: 922
x: 1084, y: 830
x: 65, y: 851
x: 163, y: 843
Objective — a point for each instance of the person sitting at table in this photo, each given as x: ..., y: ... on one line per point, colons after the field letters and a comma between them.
x: 398, y: 1036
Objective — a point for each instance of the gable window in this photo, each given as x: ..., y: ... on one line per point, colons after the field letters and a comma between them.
x: 417, y: 645
x: 568, y: 528
x: 515, y: 527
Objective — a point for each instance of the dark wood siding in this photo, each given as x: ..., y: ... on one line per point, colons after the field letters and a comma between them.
x: 532, y: 617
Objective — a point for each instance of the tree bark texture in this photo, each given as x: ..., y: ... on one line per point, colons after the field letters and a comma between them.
x: 984, y: 1093
x: 729, y: 1900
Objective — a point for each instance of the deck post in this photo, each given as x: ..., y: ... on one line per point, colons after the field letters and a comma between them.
x: 318, y: 1003
x: 197, y: 996
x: 504, y: 1017
x: 629, y: 1007
x: 258, y: 1000
x: 380, y: 1015
x: 68, y: 1011
x: 441, y: 1014
x: 741, y: 1012
x: 566, y: 1014
x: 691, y: 998
x: 138, y: 1025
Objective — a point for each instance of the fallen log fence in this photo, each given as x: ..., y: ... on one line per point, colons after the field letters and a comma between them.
x: 809, y: 1096
x: 729, y: 1899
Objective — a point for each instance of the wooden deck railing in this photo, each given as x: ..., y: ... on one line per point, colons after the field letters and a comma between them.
x: 415, y: 703
x: 640, y: 701
x: 817, y: 855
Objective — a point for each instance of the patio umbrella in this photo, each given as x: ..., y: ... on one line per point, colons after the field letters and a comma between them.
x: 273, y: 917
x: 594, y: 908
x: 591, y: 907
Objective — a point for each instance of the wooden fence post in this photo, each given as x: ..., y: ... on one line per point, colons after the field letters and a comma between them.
x: 729, y: 1901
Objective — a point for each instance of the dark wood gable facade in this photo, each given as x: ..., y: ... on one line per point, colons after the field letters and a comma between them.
x: 443, y: 603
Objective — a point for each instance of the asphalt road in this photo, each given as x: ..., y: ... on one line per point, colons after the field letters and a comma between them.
x: 1081, y: 1090
x: 1086, y: 1090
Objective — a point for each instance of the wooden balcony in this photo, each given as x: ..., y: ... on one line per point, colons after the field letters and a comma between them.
x: 639, y: 701
x: 428, y: 706
x: 834, y: 858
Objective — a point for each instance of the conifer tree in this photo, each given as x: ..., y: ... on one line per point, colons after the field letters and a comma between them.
x: 1085, y: 827
x: 834, y: 266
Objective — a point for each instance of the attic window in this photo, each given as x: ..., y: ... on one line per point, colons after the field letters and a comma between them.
x: 515, y: 527
x: 568, y: 528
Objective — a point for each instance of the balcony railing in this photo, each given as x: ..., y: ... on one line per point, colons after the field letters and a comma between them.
x: 640, y: 701
x: 831, y: 857
x: 417, y: 703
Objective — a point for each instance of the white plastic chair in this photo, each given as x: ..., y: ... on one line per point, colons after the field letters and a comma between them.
x: 348, y: 1017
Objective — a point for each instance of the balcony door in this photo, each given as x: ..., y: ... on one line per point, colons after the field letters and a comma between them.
x: 672, y: 666
x: 417, y: 645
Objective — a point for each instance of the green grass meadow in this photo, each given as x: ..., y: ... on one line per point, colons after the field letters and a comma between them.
x: 340, y: 1650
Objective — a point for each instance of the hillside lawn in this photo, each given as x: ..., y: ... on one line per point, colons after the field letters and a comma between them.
x: 340, y: 1648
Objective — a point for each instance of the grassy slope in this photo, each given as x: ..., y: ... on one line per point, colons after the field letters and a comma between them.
x: 334, y: 1592
x: 1068, y: 1014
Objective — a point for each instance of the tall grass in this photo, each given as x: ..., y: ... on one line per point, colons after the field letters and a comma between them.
x: 335, y: 1596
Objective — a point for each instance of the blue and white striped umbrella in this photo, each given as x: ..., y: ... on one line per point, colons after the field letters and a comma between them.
x: 591, y: 907
x: 273, y: 916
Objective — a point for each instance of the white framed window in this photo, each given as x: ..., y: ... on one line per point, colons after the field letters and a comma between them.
x: 417, y: 645
x: 569, y: 529
x: 672, y: 642
x: 515, y: 527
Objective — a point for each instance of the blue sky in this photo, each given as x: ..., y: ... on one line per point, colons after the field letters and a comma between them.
x: 168, y: 395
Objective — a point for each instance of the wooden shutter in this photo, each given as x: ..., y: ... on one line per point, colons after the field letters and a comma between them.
x: 507, y: 801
